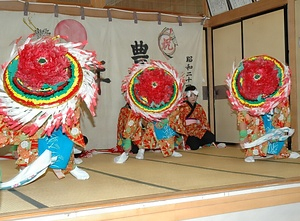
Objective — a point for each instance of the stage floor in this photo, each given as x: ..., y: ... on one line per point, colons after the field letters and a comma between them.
x: 203, y: 170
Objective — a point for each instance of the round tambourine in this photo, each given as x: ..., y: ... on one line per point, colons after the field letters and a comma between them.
x: 153, y: 90
x: 258, y: 84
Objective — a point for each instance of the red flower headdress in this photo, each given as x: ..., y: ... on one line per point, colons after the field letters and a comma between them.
x: 43, y: 82
x: 258, y: 84
x: 153, y: 90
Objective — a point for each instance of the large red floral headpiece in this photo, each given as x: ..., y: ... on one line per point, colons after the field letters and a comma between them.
x: 258, y: 84
x: 153, y: 89
x: 43, y: 82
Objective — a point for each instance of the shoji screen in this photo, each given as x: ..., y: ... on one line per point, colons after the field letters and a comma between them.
x: 227, y: 48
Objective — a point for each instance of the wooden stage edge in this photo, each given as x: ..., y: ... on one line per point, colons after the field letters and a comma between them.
x: 178, y: 206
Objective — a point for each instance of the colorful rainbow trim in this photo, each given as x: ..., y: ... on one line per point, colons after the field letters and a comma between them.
x: 146, y: 108
x: 138, y: 105
x: 263, y: 106
x: 43, y: 99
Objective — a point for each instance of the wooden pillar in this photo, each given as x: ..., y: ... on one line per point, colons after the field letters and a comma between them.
x: 210, y: 79
x: 292, y: 64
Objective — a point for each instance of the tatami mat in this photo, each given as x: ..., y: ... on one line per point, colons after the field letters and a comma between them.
x: 202, y: 169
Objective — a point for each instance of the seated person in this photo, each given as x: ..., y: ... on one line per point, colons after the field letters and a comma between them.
x: 196, y: 123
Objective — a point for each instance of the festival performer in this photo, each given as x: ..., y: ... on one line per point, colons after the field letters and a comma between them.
x: 41, y: 89
x: 259, y: 88
x: 163, y: 134
x: 196, y: 123
x: 129, y: 126
x: 153, y: 91
x: 151, y: 120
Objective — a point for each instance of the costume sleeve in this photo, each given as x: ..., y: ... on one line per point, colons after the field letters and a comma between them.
x: 123, y: 116
x: 73, y: 130
x: 131, y: 126
x: 282, y: 115
x: 242, y: 126
x: 177, y: 123
x: 202, y: 117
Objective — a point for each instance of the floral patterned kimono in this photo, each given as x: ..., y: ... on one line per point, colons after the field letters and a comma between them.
x: 255, y: 129
x: 28, y: 145
x: 195, y: 121
x: 129, y: 128
x: 164, y: 134
x: 147, y: 134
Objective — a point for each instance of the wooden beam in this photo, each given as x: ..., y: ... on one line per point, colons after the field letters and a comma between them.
x: 86, y: 3
x: 98, y: 3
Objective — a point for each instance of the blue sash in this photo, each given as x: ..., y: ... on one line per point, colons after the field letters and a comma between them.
x: 163, y: 130
x: 273, y: 147
x: 61, y: 147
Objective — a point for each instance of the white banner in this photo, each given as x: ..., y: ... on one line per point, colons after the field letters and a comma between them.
x: 179, y: 45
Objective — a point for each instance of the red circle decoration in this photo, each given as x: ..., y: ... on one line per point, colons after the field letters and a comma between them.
x: 73, y: 29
